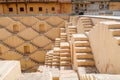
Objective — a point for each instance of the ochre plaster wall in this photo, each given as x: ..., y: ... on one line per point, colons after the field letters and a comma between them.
x: 64, y: 8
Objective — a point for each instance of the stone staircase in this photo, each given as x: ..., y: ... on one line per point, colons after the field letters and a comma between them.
x: 87, y: 23
x: 70, y: 30
x: 61, y: 52
x: 56, y: 56
x: 48, y: 58
x: 82, y: 51
x: 65, y: 49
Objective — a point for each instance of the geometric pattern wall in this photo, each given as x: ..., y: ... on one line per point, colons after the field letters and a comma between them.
x: 27, y: 38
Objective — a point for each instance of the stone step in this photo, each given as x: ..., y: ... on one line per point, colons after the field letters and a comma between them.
x: 56, y: 57
x: 49, y: 61
x: 84, y: 56
x: 114, y: 25
x: 65, y: 58
x: 68, y: 75
x: 80, y: 37
x: 62, y: 30
x: 64, y: 50
x: 63, y: 34
x: 55, y: 60
x: 99, y: 77
x: 57, y: 39
x: 56, y: 54
x: 65, y: 54
x: 115, y: 32
x: 65, y: 63
x: 70, y: 33
x: 85, y: 62
x: 83, y: 71
x: 84, y: 18
x: 50, y: 58
x: 72, y: 30
x: 87, y: 23
x: 118, y: 39
x: 82, y: 43
x: 65, y: 68
x: 64, y: 40
x: 64, y: 45
x: 57, y: 42
x: 55, y: 64
x: 83, y: 50
x: 88, y: 26
x: 49, y: 64
x: 57, y: 45
x: 56, y: 49
x: 71, y: 27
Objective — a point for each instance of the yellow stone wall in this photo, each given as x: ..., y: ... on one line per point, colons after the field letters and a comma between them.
x: 65, y: 8
x: 27, y: 38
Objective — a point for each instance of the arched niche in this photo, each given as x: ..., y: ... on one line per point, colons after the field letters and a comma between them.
x: 26, y: 49
x: 15, y: 28
x: 41, y: 27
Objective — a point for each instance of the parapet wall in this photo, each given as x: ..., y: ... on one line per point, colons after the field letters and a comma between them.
x: 105, y: 49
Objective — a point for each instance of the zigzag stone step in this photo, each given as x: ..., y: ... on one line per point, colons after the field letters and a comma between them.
x: 80, y: 37
x: 56, y: 54
x: 65, y: 54
x: 83, y: 50
x: 62, y: 30
x: 88, y: 26
x: 115, y: 32
x: 84, y: 56
x: 85, y: 62
x: 55, y: 60
x: 64, y: 45
x: 113, y: 25
x: 87, y: 23
x: 65, y: 63
x: 118, y: 39
x: 82, y: 43
x: 65, y: 58
x: 72, y: 30
x: 56, y: 49
x: 55, y: 64
x: 64, y: 50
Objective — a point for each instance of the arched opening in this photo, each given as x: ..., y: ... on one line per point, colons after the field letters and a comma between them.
x: 26, y: 50
x: 41, y: 27
x: 15, y: 28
